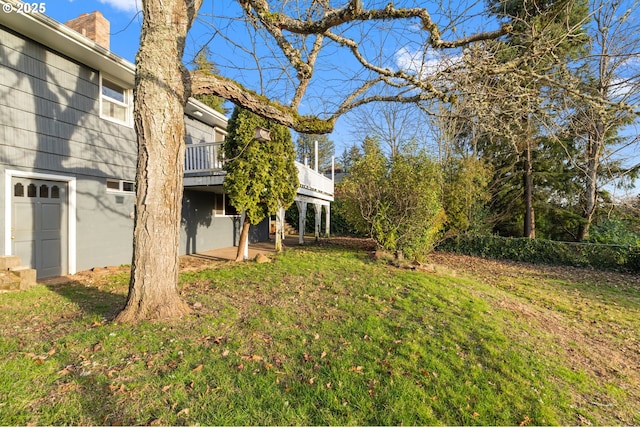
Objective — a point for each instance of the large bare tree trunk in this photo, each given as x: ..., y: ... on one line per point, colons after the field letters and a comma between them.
x: 159, y: 100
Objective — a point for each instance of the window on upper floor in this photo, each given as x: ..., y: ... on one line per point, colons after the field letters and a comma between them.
x: 115, y: 102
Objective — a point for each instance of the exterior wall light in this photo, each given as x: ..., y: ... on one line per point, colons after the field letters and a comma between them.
x: 262, y: 134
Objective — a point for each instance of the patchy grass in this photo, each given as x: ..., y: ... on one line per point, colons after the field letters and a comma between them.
x: 328, y: 335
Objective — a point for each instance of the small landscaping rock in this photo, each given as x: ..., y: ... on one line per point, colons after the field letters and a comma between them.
x: 262, y: 258
x: 379, y: 254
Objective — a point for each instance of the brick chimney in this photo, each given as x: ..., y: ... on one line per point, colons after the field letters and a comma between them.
x: 92, y: 25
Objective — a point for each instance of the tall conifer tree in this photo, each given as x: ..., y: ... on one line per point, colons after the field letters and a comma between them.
x: 261, y: 175
x: 544, y: 35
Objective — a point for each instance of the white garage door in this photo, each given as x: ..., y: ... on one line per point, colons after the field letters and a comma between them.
x: 39, y: 223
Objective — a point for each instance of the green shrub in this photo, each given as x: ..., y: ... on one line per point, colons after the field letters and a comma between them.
x: 614, y: 230
x: 396, y: 201
x: 539, y: 251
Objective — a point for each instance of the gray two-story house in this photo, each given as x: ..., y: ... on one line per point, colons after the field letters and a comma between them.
x: 68, y: 152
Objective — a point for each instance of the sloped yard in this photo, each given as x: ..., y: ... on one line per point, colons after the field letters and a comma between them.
x: 329, y: 335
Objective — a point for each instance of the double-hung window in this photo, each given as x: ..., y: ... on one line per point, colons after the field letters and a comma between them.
x: 115, y: 102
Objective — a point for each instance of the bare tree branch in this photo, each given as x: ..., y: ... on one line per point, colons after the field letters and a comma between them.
x: 211, y: 84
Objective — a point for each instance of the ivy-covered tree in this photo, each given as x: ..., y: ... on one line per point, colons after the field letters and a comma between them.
x: 261, y: 175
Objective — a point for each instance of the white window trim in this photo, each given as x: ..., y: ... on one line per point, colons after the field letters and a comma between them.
x: 128, y: 105
x: 120, y: 189
x: 71, y: 210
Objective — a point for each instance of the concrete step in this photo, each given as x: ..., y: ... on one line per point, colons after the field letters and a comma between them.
x: 14, y: 276
x: 8, y: 282
x: 289, y: 229
x: 25, y: 275
x: 8, y: 261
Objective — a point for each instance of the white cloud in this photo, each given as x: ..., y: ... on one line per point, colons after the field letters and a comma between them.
x: 424, y: 63
x: 124, y: 5
x: 621, y: 89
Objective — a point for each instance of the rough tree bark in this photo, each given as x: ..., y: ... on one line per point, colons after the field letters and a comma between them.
x: 159, y: 99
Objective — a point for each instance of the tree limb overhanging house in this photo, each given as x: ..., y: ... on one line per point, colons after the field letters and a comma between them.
x: 68, y: 155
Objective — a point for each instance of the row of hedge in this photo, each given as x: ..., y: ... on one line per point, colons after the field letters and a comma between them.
x: 539, y: 251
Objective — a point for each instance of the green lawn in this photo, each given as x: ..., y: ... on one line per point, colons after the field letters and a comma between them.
x: 328, y: 335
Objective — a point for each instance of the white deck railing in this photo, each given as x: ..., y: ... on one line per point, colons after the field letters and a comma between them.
x: 313, y: 183
x: 207, y: 157
x: 203, y: 157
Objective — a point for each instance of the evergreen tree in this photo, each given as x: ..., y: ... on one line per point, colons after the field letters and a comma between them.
x: 545, y: 34
x: 261, y: 175
x: 348, y: 157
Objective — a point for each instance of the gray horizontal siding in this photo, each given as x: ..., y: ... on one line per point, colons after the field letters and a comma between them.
x: 201, y: 229
x: 49, y: 111
x: 198, y: 132
x: 27, y: 57
x: 104, y: 227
